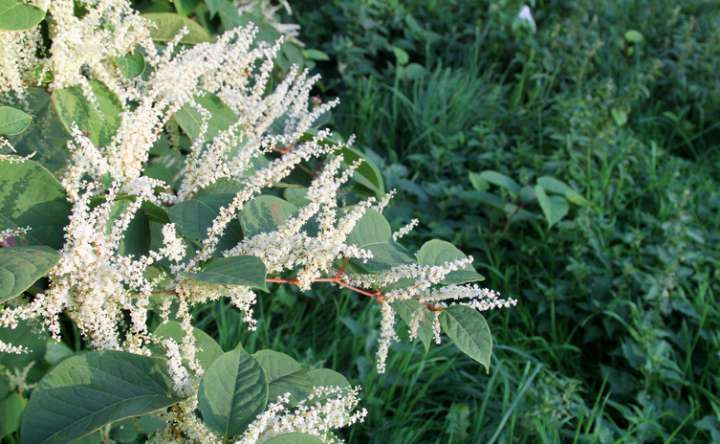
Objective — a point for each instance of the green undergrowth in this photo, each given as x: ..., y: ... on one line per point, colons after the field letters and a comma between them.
x: 469, y: 111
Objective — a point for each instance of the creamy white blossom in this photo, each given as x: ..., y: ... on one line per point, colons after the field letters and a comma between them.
x: 323, y: 411
x: 6, y: 347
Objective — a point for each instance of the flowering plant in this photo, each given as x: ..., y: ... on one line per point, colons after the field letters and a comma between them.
x: 191, y: 169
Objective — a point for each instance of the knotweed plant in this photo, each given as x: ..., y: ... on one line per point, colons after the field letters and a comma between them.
x: 193, y: 172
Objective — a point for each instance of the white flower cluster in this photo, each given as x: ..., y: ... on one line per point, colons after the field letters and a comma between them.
x: 109, y: 29
x: 17, y: 378
x: 291, y: 248
x: 424, y: 284
x: 18, y: 55
x: 324, y: 410
x: 8, y: 236
x: 12, y: 349
x: 93, y: 283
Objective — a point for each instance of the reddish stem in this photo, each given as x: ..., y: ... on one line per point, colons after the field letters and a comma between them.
x: 337, y: 279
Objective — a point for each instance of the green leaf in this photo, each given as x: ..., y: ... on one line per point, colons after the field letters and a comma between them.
x: 367, y: 174
x: 167, y: 26
x: 264, y: 214
x: 20, y: 267
x: 413, y: 71
x: 315, y: 54
x: 28, y: 334
x: 634, y: 36
x: 501, y: 180
x: 99, y: 122
x: 371, y: 229
x: 554, y: 208
x: 401, y: 56
x: 221, y: 117
x: 214, y: 6
x: 469, y: 331
x: 385, y: 256
x: 56, y: 352
x: 438, y: 252
x: 46, y: 138
x: 294, y: 438
x: 88, y: 391
x: 193, y: 217
x: 11, y: 409
x: 185, y: 7
x: 4, y: 388
x: 233, y: 391
x: 619, y: 116
x: 31, y: 196
x: 13, y: 121
x: 284, y: 375
x: 136, y: 239
x: 372, y: 232
x: 553, y: 185
x: 324, y: 377
x: 131, y: 430
x: 208, y: 349
x: 229, y: 14
x: 485, y: 198
x: 236, y: 270
x: 16, y: 15
x: 477, y: 181
x: 407, y: 309
x: 130, y: 65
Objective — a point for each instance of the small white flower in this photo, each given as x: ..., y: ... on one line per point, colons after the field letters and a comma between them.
x: 525, y: 16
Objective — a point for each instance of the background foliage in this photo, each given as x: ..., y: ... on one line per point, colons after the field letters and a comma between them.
x: 467, y: 109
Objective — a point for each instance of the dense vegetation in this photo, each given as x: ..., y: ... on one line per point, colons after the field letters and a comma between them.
x: 615, y: 337
x: 569, y: 146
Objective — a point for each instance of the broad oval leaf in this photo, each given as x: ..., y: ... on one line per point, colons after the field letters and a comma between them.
x: 46, y: 138
x: 17, y: 15
x: 553, y: 185
x: 31, y: 196
x: 233, y: 391
x: 130, y: 65
x: 88, y: 391
x: 373, y: 233
x: 221, y: 117
x: 29, y: 334
x: 284, y: 375
x: 438, y: 252
x: 367, y: 174
x: 20, y: 267
x: 168, y: 25
x: 385, y: 256
x: 372, y: 228
x: 554, y: 207
x: 501, y: 180
x: 469, y: 331
x: 207, y: 349
x: 264, y: 214
x: 194, y: 217
x: 11, y: 409
x: 324, y: 377
x: 294, y: 438
x: 236, y: 270
x: 99, y: 122
x: 13, y: 121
